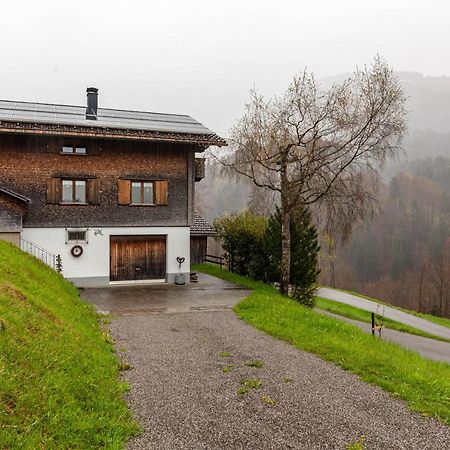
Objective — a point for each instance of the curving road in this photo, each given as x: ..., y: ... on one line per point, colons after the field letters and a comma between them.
x: 389, y: 312
x: 428, y: 348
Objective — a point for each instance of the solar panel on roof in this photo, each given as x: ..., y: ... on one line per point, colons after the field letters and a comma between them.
x: 107, y: 118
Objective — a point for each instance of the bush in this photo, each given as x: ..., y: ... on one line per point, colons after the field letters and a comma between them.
x: 241, y: 236
x: 253, y: 246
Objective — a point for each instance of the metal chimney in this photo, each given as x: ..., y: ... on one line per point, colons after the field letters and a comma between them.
x: 92, y: 103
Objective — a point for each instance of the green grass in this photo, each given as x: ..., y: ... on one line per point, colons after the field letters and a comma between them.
x: 255, y: 363
x: 247, y: 385
x: 268, y: 401
x: 422, y: 383
x: 352, y: 312
x: 436, y: 319
x: 59, y: 375
x: 229, y: 368
x: 356, y: 445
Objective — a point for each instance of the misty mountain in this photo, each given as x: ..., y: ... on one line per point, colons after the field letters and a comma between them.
x: 428, y: 106
x: 428, y: 102
x: 428, y: 136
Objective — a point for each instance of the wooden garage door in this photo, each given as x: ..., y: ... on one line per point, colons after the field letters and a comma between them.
x: 137, y: 258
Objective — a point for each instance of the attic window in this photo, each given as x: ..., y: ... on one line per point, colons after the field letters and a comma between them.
x: 76, y: 236
x: 74, y: 150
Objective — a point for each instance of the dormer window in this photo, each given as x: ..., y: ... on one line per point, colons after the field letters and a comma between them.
x: 74, y: 150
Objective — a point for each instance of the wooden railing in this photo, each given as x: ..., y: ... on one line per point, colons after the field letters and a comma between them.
x: 54, y: 261
x: 220, y: 260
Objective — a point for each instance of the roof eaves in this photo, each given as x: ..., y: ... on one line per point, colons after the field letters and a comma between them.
x: 15, y: 195
x: 201, y: 227
x: 7, y: 126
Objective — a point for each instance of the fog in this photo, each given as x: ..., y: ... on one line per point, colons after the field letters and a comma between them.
x: 201, y: 58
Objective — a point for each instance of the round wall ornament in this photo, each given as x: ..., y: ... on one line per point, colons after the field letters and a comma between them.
x: 76, y: 251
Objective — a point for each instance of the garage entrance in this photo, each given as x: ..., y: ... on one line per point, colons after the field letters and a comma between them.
x: 137, y: 258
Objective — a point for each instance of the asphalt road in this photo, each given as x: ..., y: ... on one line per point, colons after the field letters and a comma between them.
x: 428, y: 348
x: 389, y: 312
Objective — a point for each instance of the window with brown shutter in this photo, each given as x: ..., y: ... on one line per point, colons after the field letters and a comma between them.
x: 54, y: 190
x: 73, y: 191
x: 161, y: 192
x: 124, y: 192
x: 143, y: 193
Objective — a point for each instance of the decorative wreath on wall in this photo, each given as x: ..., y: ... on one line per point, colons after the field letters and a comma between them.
x: 76, y: 251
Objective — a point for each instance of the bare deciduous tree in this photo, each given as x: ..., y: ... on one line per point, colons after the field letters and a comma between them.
x: 318, y: 147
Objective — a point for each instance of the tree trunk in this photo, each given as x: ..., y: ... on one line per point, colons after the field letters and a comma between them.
x: 333, y: 273
x: 422, y: 273
x: 285, y: 230
x: 285, y: 251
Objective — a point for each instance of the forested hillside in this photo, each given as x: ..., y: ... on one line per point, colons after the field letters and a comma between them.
x: 403, y: 255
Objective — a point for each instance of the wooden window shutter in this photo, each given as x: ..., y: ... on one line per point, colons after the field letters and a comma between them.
x: 93, y: 191
x: 161, y: 192
x: 124, y: 188
x: 53, y: 190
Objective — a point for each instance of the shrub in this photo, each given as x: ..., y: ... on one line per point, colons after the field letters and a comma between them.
x: 253, y: 246
x: 241, y: 236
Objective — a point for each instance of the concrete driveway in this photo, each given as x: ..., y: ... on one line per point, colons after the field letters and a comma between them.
x: 190, y: 354
x: 209, y: 294
x: 389, y: 312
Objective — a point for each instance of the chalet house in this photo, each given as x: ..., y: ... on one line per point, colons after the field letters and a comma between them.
x: 111, y: 191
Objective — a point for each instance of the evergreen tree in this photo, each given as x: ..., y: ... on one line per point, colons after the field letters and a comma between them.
x: 304, y: 254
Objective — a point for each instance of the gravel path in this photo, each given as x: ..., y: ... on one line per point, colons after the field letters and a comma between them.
x: 184, y: 400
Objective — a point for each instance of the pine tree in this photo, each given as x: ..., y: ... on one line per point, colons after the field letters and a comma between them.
x: 304, y: 254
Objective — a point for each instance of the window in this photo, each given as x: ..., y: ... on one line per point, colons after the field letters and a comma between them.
x: 142, y: 193
x: 73, y: 191
x: 76, y: 236
x: 74, y: 150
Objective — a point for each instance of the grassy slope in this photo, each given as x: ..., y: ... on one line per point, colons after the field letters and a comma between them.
x: 424, y: 384
x: 436, y: 319
x: 59, y: 384
x: 352, y: 312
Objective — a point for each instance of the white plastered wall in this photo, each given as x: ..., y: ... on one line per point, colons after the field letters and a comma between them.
x: 94, y: 262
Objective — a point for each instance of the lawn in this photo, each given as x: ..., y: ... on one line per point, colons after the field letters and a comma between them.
x: 59, y: 383
x: 422, y: 383
x: 355, y: 313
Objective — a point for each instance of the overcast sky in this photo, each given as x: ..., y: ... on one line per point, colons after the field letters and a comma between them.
x: 201, y: 57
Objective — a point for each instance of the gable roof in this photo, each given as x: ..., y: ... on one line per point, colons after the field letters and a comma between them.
x: 15, y: 195
x: 66, y: 119
x: 201, y: 227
